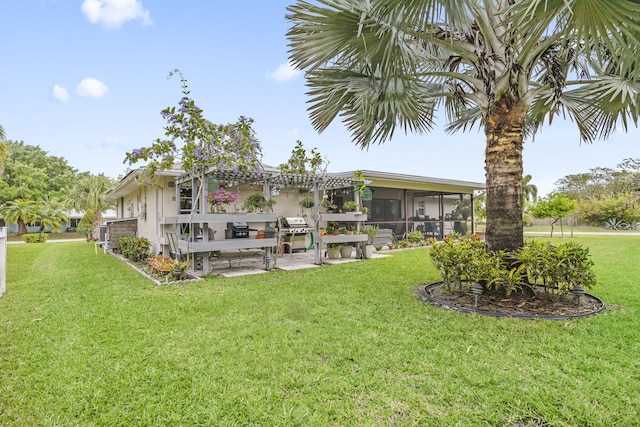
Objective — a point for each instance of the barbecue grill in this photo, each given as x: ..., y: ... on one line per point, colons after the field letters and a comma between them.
x: 294, y: 232
x: 236, y: 230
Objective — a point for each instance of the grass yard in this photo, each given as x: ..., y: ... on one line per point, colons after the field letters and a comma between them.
x: 87, y: 341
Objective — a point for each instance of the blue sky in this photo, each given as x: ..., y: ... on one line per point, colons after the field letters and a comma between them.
x: 86, y: 80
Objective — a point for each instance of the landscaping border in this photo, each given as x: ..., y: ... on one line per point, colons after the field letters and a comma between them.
x: 426, y: 296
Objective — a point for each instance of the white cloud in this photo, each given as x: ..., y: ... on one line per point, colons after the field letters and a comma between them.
x: 59, y: 94
x: 111, y: 142
x: 113, y: 13
x: 92, y: 88
x: 284, y: 73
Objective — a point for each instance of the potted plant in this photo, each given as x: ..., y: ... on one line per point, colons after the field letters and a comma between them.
x: 350, y: 206
x: 270, y: 232
x: 217, y: 199
x: 257, y: 202
x: 333, y: 250
x: 371, y: 231
x: 346, y: 251
x: 306, y: 202
x: 328, y: 205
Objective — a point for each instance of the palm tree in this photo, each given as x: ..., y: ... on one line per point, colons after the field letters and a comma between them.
x: 504, y: 65
x: 21, y: 212
x: 529, y: 191
x: 50, y: 213
x: 4, y: 150
x: 89, y: 194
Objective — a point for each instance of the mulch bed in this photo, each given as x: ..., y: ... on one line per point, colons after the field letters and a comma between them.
x: 537, y: 304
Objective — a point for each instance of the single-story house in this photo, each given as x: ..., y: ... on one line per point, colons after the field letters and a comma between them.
x: 172, y: 210
x: 70, y: 225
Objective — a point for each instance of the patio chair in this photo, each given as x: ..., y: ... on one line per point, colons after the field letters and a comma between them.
x: 174, y: 249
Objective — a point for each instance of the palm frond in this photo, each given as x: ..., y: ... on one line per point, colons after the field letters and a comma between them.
x: 597, y: 107
x: 592, y: 23
x: 371, y: 107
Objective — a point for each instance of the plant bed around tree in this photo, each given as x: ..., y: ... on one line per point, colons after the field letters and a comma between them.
x: 537, y: 305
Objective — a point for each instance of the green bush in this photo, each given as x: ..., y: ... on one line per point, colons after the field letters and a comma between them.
x: 35, y: 238
x: 558, y: 269
x: 134, y: 248
x: 598, y: 212
x: 85, y: 226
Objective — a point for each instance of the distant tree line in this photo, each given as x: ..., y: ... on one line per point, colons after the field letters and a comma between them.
x: 36, y: 187
x: 599, y: 197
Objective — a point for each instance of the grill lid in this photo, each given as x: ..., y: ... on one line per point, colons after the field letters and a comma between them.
x: 295, y: 222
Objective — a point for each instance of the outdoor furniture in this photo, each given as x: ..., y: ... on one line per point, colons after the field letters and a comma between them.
x: 174, y: 249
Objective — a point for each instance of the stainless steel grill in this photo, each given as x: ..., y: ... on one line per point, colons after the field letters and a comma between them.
x: 294, y: 232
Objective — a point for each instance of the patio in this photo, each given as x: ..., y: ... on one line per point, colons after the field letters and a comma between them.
x: 245, y: 262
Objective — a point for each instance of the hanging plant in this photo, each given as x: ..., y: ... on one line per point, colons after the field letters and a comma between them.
x: 307, y: 202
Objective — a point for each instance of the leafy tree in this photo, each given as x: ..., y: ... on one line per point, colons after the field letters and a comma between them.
x: 507, y: 66
x: 197, y: 144
x: 555, y: 207
x: 302, y: 162
x: 203, y: 144
x: 618, y: 207
x: 31, y: 174
x: 89, y: 194
x: 19, y: 211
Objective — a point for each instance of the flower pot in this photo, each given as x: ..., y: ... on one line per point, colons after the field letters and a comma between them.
x: 333, y: 253
x: 368, y: 251
x: 346, y: 251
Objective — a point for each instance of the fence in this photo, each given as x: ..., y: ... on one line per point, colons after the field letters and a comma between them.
x: 3, y: 260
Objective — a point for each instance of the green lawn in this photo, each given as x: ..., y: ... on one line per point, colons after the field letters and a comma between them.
x: 88, y: 341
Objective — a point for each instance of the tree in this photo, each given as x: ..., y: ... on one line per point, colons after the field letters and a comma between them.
x: 507, y: 66
x: 529, y: 191
x: 85, y: 226
x: 198, y: 144
x: 21, y: 212
x: 555, y: 207
x: 49, y: 213
x: 302, y: 162
x: 89, y: 194
x: 4, y: 149
x: 31, y: 174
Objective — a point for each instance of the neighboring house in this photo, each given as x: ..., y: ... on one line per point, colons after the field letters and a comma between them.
x: 71, y: 225
x: 162, y: 209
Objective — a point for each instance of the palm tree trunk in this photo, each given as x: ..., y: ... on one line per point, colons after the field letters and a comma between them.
x: 22, y: 227
x: 503, y: 168
x: 97, y: 222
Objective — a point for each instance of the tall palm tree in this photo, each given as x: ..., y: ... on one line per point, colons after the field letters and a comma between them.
x: 529, y: 190
x: 504, y: 65
x: 21, y: 212
x: 89, y: 194
x: 4, y: 149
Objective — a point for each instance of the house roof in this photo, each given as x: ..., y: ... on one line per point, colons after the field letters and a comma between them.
x: 329, y: 181
x: 417, y: 182
x: 134, y: 179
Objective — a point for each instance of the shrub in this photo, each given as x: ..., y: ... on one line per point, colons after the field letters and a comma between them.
x: 134, y: 248
x: 558, y: 269
x: 85, y: 226
x: 35, y: 238
x: 416, y: 237
x: 165, y: 265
